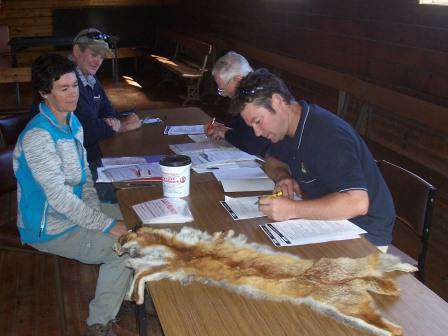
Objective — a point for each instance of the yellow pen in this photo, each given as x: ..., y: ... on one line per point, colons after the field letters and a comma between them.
x: 274, y: 195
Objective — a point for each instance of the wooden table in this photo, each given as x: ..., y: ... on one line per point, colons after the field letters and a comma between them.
x: 203, y: 310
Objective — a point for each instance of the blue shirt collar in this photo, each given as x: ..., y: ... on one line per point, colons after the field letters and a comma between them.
x: 45, y: 110
x: 297, y: 140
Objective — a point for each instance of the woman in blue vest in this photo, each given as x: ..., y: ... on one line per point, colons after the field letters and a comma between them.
x: 58, y: 208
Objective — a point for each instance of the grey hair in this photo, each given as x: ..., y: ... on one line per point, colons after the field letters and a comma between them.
x: 231, y: 65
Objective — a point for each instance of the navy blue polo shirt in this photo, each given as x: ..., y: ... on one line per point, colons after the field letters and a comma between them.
x: 326, y: 156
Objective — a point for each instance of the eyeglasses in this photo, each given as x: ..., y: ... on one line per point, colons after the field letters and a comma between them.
x: 222, y: 92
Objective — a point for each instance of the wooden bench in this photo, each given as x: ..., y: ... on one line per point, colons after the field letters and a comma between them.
x: 15, y: 75
x: 187, y: 59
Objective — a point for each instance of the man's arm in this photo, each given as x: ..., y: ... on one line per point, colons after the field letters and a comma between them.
x: 334, y: 206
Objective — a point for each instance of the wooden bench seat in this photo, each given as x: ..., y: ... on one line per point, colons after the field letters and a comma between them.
x: 15, y: 75
x: 187, y: 59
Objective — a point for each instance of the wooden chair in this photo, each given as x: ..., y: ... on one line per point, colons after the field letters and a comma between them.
x: 11, y: 126
x: 9, y: 234
x: 189, y: 60
x: 414, y: 201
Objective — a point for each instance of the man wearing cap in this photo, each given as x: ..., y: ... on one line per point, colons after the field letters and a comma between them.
x: 94, y: 110
x: 228, y: 72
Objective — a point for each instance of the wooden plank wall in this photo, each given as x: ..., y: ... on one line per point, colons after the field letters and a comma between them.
x: 397, y: 44
x: 34, y: 18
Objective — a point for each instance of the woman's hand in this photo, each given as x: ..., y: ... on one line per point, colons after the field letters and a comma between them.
x: 119, y: 229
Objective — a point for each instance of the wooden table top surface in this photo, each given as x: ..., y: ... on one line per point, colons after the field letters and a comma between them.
x: 198, y: 309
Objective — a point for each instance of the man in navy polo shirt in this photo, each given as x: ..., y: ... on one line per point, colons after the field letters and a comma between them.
x: 317, y: 155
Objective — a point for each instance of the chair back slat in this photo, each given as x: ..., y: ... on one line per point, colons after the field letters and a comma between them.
x: 411, y: 194
x: 8, y: 179
x: 12, y: 125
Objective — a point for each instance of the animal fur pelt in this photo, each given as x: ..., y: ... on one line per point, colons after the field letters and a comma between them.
x: 338, y: 287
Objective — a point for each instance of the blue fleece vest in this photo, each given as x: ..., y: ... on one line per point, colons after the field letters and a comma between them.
x: 33, y: 202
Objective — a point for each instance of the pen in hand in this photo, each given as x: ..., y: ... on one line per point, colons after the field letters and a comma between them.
x: 274, y: 195
x: 210, y: 126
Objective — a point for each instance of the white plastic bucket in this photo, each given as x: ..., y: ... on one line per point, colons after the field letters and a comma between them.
x: 176, y: 175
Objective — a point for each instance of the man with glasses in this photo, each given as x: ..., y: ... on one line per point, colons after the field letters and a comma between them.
x: 317, y: 155
x: 228, y: 72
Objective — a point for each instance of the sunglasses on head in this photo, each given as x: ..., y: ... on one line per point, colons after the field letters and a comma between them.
x: 248, y: 94
x: 97, y: 36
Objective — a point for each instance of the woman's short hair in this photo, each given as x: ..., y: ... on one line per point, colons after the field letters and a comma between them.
x: 48, y: 68
x: 258, y: 88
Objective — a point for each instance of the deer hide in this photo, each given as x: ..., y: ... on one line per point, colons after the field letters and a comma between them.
x: 338, y: 287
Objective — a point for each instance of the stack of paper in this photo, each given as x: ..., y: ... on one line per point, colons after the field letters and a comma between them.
x: 242, y: 207
x: 164, y: 210
x: 240, y: 185
x: 198, y: 147
x: 185, y: 129
x: 303, y: 231
x: 243, y: 173
x: 140, y: 172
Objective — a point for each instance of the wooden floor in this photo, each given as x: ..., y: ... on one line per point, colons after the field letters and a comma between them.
x: 27, y: 292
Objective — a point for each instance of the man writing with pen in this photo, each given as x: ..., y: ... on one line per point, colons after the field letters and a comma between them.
x: 228, y: 72
x: 316, y: 155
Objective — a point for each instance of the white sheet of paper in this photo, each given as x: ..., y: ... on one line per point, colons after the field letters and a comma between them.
x: 238, y: 185
x: 217, y: 157
x: 184, y: 129
x: 242, y: 207
x: 239, y: 174
x: 164, y: 210
x: 149, y: 120
x: 195, y: 147
x: 228, y: 165
x: 199, y: 137
x: 304, y: 231
x: 128, y: 173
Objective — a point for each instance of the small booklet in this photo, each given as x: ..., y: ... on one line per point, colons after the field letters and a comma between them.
x: 164, y: 210
x: 184, y: 129
x: 305, y: 231
x: 242, y: 207
x: 140, y: 172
